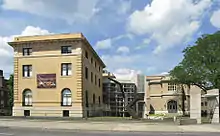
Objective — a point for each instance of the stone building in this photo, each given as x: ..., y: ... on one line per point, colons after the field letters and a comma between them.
x: 56, y: 75
x: 4, y: 96
x: 164, y: 97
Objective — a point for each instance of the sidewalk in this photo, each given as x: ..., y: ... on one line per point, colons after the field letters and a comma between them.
x: 107, y: 126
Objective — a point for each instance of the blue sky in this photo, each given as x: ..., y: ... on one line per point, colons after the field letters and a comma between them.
x: 131, y: 36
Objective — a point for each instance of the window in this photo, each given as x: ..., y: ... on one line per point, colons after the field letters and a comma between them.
x: 66, y: 69
x: 2, y: 103
x: 66, y: 97
x: 86, y: 71
x: 91, y: 60
x: 202, y: 104
x: 95, y: 64
x: 87, y: 100
x: 95, y: 80
x: 27, y: 51
x: 99, y: 100
x: 2, y: 93
x: 91, y: 77
x: 172, y: 87
x: 86, y: 54
x: 27, y: 113
x: 27, y: 70
x: 66, y: 113
x: 93, y: 98
x: 27, y: 97
x: 205, y: 103
x: 99, y: 83
x: 66, y: 49
x: 99, y: 68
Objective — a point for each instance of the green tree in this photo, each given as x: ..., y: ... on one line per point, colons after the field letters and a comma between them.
x: 11, y: 90
x: 201, y: 63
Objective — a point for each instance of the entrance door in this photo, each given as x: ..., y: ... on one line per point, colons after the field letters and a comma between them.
x: 172, y: 106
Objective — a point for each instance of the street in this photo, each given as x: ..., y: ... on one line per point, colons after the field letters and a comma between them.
x: 39, y: 132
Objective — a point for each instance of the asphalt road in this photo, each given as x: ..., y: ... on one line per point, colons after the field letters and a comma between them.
x: 38, y: 132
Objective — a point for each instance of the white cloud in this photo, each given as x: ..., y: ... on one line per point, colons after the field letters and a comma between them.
x: 118, y: 61
x: 6, y: 51
x: 164, y: 73
x: 167, y: 24
x: 123, y: 49
x: 126, y: 74
x: 70, y: 10
x: 104, y: 44
x: 144, y: 44
x: 31, y: 30
x: 215, y: 19
x: 107, y: 43
x: 124, y: 6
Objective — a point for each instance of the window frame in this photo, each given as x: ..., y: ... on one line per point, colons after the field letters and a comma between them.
x: 66, y: 97
x: 29, y: 51
x: 99, y: 82
x: 28, y: 69
x: 27, y: 98
x: 66, y: 49
x: 172, y: 87
x: 68, y: 67
x: 91, y: 77
x: 86, y: 73
x: 86, y: 54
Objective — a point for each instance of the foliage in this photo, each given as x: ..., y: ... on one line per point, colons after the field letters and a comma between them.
x: 201, y: 63
x: 11, y: 90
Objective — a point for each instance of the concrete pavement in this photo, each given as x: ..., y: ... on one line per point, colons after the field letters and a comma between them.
x: 107, y: 126
x: 39, y: 132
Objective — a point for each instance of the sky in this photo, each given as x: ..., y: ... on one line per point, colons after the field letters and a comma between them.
x: 131, y: 36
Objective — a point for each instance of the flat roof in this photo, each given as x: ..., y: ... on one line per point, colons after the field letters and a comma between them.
x: 63, y: 36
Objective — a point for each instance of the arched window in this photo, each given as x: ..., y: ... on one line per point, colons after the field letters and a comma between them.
x: 172, y: 106
x: 66, y: 97
x: 27, y: 97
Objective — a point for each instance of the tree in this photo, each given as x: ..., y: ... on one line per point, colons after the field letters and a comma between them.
x: 201, y: 63
x: 11, y: 90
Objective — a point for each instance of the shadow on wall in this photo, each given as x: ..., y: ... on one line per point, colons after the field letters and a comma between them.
x: 152, y: 110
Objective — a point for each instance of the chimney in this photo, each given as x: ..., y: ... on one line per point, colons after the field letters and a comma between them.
x: 1, y: 78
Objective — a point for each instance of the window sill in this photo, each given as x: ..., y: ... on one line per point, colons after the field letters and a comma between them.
x: 27, y: 77
x: 66, y: 105
x: 27, y: 105
x: 69, y: 76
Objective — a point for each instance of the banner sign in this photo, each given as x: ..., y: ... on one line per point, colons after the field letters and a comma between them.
x: 46, y: 80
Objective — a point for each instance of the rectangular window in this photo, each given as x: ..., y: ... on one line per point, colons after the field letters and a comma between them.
x: 65, y: 113
x: 172, y: 87
x: 91, y: 77
x: 86, y: 73
x: 86, y: 54
x: 95, y: 80
x: 95, y: 64
x: 66, y: 49
x: 99, y: 83
x: 27, y: 51
x: 27, y: 70
x: 91, y: 60
x: 99, y: 68
x: 27, y: 113
x: 66, y: 69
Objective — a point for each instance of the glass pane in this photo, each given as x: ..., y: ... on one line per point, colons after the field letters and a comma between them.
x: 64, y: 100
x: 69, y: 100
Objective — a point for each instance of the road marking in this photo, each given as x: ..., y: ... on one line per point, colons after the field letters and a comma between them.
x: 6, y: 134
